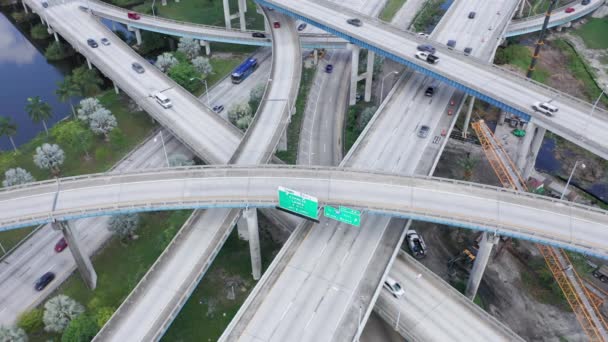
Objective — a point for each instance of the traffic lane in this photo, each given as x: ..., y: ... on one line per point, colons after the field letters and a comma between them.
x: 327, y: 268
x: 494, y: 81
x: 217, y: 138
x: 558, y: 14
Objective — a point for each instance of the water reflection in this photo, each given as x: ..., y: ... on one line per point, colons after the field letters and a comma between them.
x: 14, y: 48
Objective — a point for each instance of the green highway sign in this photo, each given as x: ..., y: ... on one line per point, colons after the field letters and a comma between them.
x: 343, y: 214
x: 298, y: 203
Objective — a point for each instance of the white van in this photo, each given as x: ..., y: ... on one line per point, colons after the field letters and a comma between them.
x: 393, y: 287
x: 545, y: 108
x: 163, y: 100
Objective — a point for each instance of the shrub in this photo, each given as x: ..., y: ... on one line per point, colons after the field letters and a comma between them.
x: 39, y: 31
x: 103, y: 315
x: 81, y: 329
x: 31, y: 320
x: 56, y: 51
x: 102, y: 153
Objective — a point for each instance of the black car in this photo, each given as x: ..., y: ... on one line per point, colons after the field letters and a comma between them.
x: 355, y: 22
x: 258, y: 35
x: 329, y: 68
x: 302, y: 26
x: 468, y: 50
x: 92, y: 43
x: 451, y: 44
x: 43, y: 281
x: 429, y: 91
x: 585, y: 2
x: 427, y: 48
x: 138, y: 68
x: 218, y: 108
x: 472, y: 15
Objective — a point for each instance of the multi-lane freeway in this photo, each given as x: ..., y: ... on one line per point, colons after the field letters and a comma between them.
x: 504, y: 89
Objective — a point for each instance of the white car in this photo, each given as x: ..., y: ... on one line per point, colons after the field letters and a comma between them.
x: 545, y: 108
x: 428, y: 57
x: 393, y: 287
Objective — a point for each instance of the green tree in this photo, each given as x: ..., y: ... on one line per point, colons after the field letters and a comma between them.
x: 49, y: 157
x: 87, y: 80
x: 39, y: 111
x: 185, y: 75
x: 39, y: 32
x: 366, y: 115
x: 59, y: 311
x: 75, y: 136
x: 12, y: 334
x: 31, y: 321
x: 8, y: 128
x: 255, y: 96
x: 56, y: 51
x: 103, y: 315
x: 66, y: 90
x: 81, y: 329
x: 124, y: 225
x: 152, y: 41
x: 468, y: 164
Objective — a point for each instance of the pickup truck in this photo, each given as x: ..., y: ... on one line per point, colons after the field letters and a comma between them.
x: 416, y: 244
x: 425, y: 56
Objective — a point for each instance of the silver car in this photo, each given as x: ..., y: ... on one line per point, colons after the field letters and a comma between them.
x: 423, y: 131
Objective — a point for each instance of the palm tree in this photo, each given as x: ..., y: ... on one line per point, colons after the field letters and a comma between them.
x: 8, y: 128
x: 39, y: 111
x: 66, y: 90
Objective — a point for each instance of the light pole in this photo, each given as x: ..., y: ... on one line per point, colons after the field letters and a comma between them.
x: 382, y: 84
x: 153, y: 14
x: 570, y: 178
x: 164, y: 148
x: 206, y: 88
x: 598, y: 100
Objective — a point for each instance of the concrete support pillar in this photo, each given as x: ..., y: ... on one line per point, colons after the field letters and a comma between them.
x: 138, y: 36
x: 354, y: 71
x: 369, y: 75
x: 89, y: 63
x: 42, y: 20
x: 501, y: 117
x: 242, y: 9
x: 25, y: 7
x: 537, y: 142
x: 227, y: 14
x: 116, y: 90
x: 163, y: 2
x: 113, y: 26
x: 315, y: 56
x: 283, y: 142
x: 241, y: 226
x: 56, y: 36
x: 83, y: 262
x: 207, y: 46
x: 467, y: 119
x: 481, y: 261
x: 254, y: 242
x: 524, y: 147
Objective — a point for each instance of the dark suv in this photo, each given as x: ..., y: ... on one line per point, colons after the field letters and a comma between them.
x: 92, y: 43
x: 427, y: 48
x: 429, y: 91
x: 43, y: 281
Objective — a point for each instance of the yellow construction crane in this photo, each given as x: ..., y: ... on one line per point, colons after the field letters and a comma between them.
x: 557, y: 261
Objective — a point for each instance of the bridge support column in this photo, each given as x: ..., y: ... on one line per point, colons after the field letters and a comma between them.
x: 524, y: 147
x: 315, y: 56
x: 89, y: 63
x: 369, y: 74
x: 354, y: 71
x: 251, y: 216
x: 207, y: 46
x: 501, y: 117
x: 481, y: 261
x: 282, y: 142
x: 25, y: 7
x: 54, y: 34
x: 42, y: 20
x: 227, y: 16
x: 242, y: 10
x: 537, y: 142
x: 116, y: 90
x: 467, y: 119
x: 138, y: 36
x: 241, y: 226
x: 83, y: 262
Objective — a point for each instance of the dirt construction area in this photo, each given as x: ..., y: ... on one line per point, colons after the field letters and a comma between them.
x: 516, y: 288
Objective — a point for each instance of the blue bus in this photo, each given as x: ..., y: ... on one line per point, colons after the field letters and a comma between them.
x: 245, y: 69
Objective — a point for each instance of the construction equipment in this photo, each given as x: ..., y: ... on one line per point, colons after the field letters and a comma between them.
x: 584, y: 305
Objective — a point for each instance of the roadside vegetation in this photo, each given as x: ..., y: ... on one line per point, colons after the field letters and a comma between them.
x: 390, y: 9
x: 357, y: 117
x: 428, y: 16
x: 520, y: 56
x: 290, y: 156
x: 222, y: 290
x: 199, y: 12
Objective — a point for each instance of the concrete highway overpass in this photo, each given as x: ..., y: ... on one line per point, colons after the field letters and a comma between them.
x: 521, y: 215
x: 502, y: 88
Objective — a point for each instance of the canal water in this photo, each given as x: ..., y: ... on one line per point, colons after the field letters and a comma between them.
x: 25, y: 72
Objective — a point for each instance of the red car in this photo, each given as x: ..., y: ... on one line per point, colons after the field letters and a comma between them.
x: 569, y: 9
x: 277, y: 24
x: 61, y: 245
x: 133, y: 15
